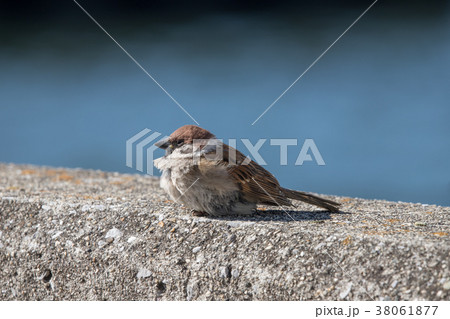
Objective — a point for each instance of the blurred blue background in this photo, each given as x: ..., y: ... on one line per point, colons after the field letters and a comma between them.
x: 377, y: 104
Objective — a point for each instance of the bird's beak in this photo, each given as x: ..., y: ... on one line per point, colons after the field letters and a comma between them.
x: 163, y: 143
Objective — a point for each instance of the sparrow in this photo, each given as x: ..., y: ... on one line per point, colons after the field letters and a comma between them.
x: 211, y: 178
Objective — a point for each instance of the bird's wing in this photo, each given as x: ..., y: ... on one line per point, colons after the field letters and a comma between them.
x: 256, y: 184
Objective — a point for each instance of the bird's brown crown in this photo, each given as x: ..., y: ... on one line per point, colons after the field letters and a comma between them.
x: 189, y: 133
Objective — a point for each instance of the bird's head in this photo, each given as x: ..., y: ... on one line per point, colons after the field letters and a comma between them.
x: 188, y: 136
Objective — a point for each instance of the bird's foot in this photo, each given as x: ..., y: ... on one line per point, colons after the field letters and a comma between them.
x: 199, y: 214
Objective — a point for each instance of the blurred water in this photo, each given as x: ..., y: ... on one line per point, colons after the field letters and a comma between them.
x: 376, y: 105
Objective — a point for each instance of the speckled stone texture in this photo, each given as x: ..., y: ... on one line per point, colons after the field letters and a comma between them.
x: 72, y: 234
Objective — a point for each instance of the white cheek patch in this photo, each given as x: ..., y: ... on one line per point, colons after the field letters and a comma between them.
x: 180, y: 157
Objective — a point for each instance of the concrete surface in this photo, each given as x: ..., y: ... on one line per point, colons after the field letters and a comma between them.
x: 70, y: 234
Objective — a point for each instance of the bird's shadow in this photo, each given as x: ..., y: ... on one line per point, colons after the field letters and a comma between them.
x: 282, y: 216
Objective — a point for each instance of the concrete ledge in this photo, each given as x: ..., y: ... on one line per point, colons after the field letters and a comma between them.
x: 69, y: 234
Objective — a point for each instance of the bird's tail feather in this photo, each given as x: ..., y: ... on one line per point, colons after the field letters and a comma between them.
x: 312, y: 199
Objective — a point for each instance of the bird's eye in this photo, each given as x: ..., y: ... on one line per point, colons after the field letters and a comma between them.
x: 180, y: 142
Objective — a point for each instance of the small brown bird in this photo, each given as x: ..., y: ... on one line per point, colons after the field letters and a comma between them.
x: 212, y: 178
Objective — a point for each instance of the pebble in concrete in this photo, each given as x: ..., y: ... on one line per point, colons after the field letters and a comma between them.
x: 143, y: 273
x: 114, y: 233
